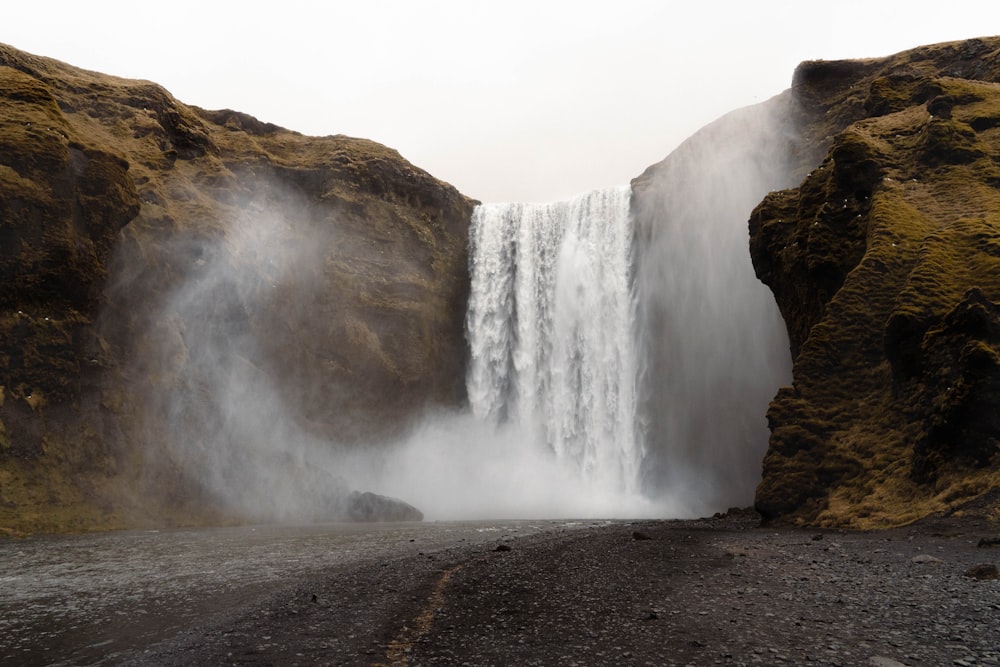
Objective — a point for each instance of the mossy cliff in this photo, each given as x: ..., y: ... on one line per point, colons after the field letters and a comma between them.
x: 112, y: 195
x: 885, y: 263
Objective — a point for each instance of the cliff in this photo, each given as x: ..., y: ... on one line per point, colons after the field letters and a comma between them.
x: 885, y: 264
x: 147, y: 248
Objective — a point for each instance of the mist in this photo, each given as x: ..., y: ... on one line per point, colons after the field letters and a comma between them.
x: 713, y: 345
x: 622, y: 353
x: 459, y: 466
x: 212, y: 401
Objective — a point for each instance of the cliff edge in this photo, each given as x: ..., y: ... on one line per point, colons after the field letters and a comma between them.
x: 148, y: 247
x: 885, y: 264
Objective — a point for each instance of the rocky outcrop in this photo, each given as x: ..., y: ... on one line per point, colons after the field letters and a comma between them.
x: 144, y: 239
x: 885, y: 263
x: 370, y: 507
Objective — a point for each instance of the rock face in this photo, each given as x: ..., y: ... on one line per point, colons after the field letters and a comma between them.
x: 146, y: 244
x: 885, y: 263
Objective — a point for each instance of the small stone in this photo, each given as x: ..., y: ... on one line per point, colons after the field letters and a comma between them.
x: 926, y: 559
x: 881, y: 661
x: 983, y: 571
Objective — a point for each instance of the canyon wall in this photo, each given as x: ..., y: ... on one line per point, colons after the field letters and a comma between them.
x: 885, y: 263
x: 120, y: 208
x: 178, y: 283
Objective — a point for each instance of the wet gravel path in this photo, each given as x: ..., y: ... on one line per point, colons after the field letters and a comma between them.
x: 650, y: 593
x: 94, y: 598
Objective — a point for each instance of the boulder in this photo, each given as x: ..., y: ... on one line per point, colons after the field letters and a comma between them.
x: 371, y: 507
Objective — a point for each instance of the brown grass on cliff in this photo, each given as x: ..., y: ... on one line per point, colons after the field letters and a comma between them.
x: 872, y: 260
x: 111, y: 194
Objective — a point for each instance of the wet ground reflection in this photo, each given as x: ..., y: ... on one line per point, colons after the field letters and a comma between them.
x: 85, y: 599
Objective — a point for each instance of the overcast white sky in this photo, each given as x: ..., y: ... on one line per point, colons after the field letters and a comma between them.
x: 508, y: 100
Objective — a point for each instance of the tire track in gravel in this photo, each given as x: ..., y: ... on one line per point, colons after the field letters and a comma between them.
x: 397, y: 653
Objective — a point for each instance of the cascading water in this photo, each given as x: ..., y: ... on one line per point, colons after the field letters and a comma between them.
x: 624, y: 332
x: 551, y: 328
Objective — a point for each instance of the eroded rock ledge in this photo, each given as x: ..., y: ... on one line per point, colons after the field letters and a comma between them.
x: 885, y: 263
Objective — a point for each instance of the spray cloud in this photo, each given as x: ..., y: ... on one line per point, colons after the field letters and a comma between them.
x: 622, y: 353
x: 713, y: 346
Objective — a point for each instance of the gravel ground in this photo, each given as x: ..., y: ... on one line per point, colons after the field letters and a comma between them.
x: 718, y: 591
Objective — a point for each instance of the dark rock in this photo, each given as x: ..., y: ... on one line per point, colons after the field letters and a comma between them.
x: 984, y: 571
x: 503, y: 547
x: 989, y: 542
x: 639, y: 535
x: 371, y: 507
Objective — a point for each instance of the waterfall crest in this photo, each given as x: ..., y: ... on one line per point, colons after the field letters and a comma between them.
x: 551, y: 329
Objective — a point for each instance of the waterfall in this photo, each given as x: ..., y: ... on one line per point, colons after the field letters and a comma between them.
x: 624, y: 332
x: 551, y: 329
